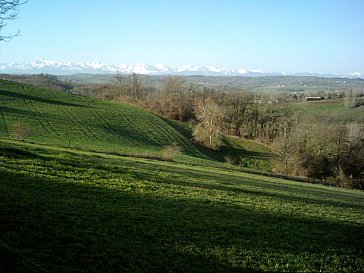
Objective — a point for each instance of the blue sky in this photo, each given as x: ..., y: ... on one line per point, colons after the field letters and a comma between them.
x: 291, y: 36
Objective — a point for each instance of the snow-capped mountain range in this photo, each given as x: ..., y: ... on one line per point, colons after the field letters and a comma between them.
x: 67, y: 68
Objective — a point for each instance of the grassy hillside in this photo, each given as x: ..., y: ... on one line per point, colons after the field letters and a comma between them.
x: 65, y: 210
x: 67, y: 120
x: 71, y: 203
x: 55, y: 117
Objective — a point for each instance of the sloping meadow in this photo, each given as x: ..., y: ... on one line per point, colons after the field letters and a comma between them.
x: 68, y: 120
x: 72, y: 121
x: 65, y: 210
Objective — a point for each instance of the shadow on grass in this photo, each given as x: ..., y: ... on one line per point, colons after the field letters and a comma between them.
x: 21, y: 113
x: 39, y: 99
x: 227, y: 148
x: 75, y: 227
x: 12, y: 152
x: 242, y: 185
x: 194, y: 149
x: 169, y: 173
x: 242, y: 153
x: 18, y: 112
x: 133, y: 135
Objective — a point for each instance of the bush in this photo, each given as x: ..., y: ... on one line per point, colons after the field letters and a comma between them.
x: 230, y: 159
x: 170, y: 152
x: 20, y: 131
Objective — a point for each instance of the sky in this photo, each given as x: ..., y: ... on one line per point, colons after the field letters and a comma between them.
x: 321, y: 36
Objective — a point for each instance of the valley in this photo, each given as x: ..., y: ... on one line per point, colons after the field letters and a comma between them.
x: 89, y: 189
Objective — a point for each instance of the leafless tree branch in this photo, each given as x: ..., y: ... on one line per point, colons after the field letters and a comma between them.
x: 9, y: 11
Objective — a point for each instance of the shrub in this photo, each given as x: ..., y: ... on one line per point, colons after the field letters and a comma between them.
x: 230, y: 159
x: 20, y: 131
x: 170, y: 152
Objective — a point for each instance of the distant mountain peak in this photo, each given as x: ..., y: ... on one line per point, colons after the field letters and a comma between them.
x: 356, y: 75
x: 97, y: 67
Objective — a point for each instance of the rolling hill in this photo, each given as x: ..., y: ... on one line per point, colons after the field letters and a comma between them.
x: 84, y: 207
x: 57, y: 118
x: 67, y: 120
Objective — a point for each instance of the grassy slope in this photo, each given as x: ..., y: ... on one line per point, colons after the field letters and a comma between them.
x: 72, y: 211
x: 64, y: 210
x: 63, y: 119
x: 57, y: 117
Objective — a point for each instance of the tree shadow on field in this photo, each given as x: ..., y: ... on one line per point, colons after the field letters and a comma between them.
x: 237, y: 185
x: 69, y: 226
x: 39, y: 99
x: 169, y: 173
x: 133, y: 135
x: 242, y: 152
x: 218, y: 155
x: 16, y: 111
x: 192, y: 148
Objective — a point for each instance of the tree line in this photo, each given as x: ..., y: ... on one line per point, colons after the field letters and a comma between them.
x: 306, y: 145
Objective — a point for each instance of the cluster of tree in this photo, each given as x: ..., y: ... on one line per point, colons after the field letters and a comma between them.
x: 331, y: 152
x: 175, y: 99
x: 244, y: 116
x: 132, y: 86
x: 303, y: 147
x: 352, y: 98
x: 214, y: 113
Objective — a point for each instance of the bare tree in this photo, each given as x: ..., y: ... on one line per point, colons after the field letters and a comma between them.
x: 120, y: 83
x: 350, y: 99
x: 133, y: 85
x: 8, y: 11
x: 355, y: 132
x: 172, y: 85
x: 285, y: 148
x: 208, y: 130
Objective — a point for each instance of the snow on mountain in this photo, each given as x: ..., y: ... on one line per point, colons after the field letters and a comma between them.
x: 95, y: 67
x: 355, y: 75
x: 54, y: 67
x: 164, y: 68
x: 242, y: 71
x: 188, y: 67
x: 257, y: 71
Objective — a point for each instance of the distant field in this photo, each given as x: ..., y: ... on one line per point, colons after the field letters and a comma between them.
x: 260, y: 84
x: 333, y: 110
x: 64, y: 210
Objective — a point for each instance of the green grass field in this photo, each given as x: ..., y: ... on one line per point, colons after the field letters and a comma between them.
x: 84, y: 208
x: 57, y: 118
x: 66, y: 120
x: 64, y: 210
x: 332, y: 110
